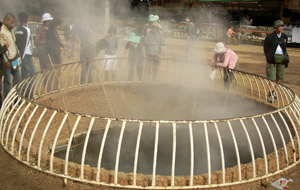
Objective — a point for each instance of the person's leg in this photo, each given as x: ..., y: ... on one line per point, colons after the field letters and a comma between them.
x: 131, y: 63
x: 7, y: 81
x: 271, y: 71
x: 27, y: 67
x: 226, y: 78
x: 139, y: 68
x: 16, y: 76
x: 155, y: 67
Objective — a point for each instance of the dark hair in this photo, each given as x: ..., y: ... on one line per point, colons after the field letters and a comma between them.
x: 23, y: 17
x: 112, y: 29
x: 219, y: 57
x: 54, y: 23
x: 0, y: 25
x: 9, y: 16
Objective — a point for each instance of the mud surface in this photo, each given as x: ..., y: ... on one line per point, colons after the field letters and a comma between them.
x: 15, y: 175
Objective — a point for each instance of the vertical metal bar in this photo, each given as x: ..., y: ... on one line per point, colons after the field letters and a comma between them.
x: 55, y: 141
x: 208, y: 154
x: 192, y: 155
x: 24, y: 130
x: 273, y: 141
x: 118, y: 152
x: 221, y: 151
x: 250, y: 84
x: 236, y: 150
x: 28, y: 86
x: 289, y: 132
x: 244, y: 86
x: 38, y: 81
x: 70, y: 143
x: 17, y: 127
x: 87, y: 137
x: 43, y: 137
x: 262, y: 145
x: 282, y: 138
x: 264, y: 88
x: 258, y: 89
x: 173, y: 155
x: 138, y: 142
x: 101, y: 150
x: 294, y: 126
x: 33, y: 133
x: 155, y: 154
x: 13, y: 119
x: 5, y: 107
x: 251, y: 148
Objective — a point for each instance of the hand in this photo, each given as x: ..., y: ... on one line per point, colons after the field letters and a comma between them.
x: 7, y: 44
x: 8, y: 65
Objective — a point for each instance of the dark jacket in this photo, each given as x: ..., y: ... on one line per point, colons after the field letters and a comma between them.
x: 271, y: 43
x: 53, y: 45
x: 22, y: 39
x: 3, y: 49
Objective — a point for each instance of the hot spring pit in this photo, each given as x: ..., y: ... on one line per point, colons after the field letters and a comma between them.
x: 180, y: 131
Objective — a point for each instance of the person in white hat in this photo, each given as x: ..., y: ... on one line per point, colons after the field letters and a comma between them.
x: 40, y: 41
x: 226, y: 58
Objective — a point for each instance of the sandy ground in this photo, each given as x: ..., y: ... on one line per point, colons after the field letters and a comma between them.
x: 15, y: 175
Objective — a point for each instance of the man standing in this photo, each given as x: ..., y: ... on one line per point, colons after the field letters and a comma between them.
x: 191, y: 30
x: 40, y: 41
x: 24, y: 45
x: 12, y: 53
x: 275, y: 50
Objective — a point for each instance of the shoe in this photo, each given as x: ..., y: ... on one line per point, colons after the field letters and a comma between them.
x: 270, y: 100
x: 274, y: 94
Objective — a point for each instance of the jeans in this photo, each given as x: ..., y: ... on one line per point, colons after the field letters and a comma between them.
x: 7, y: 79
x: 27, y: 67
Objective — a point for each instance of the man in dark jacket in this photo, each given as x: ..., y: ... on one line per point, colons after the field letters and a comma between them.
x: 24, y: 45
x: 275, y: 49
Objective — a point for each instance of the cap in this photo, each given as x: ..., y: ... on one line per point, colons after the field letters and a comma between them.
x: 46, y: 17
x: 278, y: 23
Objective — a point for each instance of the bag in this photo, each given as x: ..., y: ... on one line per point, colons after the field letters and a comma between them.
x: 212, y: 75
x: 286, y: 60
x: 279, y: 58
x: 16, y: 62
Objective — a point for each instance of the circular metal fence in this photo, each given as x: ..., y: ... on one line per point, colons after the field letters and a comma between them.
x: 132, y: 127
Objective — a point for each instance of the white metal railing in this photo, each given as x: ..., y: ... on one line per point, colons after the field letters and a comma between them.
x: 34, y: 128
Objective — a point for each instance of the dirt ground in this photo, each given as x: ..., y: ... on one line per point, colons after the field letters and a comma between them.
x: 15, y: 175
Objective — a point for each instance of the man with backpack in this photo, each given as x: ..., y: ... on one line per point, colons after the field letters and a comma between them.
x: 24, y: 45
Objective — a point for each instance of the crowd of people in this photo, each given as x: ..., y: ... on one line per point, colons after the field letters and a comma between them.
x: 146, y: 42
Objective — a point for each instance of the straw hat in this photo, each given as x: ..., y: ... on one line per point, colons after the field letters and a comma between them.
x: 132, y: 37
x: 220, y: 48
x: 46, y: 17
x: 278, y: 23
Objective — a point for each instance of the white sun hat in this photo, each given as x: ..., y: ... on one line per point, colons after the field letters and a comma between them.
x: 46, y: 16
x: 220, y: 48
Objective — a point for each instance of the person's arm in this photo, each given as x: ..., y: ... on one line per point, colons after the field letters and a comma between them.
x: 226, y: 60
x: 3, y: 49
x: 266, y: 45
